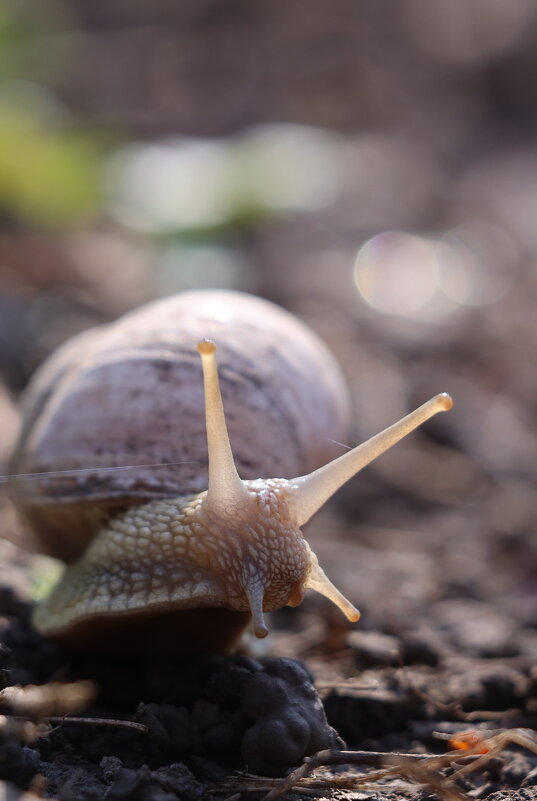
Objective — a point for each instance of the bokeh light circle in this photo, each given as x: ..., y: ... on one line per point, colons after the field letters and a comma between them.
x: 397, y: 272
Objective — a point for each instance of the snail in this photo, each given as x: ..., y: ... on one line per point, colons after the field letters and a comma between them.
x: 181, y: 557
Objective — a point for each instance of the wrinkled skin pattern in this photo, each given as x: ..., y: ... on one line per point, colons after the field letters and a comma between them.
x: 176, y: 553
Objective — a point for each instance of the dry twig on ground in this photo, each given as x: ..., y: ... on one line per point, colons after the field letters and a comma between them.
x: 473, y: 750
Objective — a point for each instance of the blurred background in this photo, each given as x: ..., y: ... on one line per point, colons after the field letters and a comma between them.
x: 371, y: 166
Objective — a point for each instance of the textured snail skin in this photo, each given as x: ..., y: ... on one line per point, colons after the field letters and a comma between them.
x: 170, y: 555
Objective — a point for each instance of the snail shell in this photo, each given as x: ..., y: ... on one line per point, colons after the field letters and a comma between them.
x: 179, y: 558
x: 131, y: 393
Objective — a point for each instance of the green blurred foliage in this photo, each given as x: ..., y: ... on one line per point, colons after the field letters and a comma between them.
x: 49, y: 176
x: 50, y: 171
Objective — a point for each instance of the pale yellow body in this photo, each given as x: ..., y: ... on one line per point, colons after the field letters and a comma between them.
x: 174, y: 553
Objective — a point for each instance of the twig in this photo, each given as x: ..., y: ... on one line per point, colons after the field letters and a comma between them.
x: 433, y: 779
x: 391, y: 763
x: 55, y: 698
x: 118, y: 724
x: 345, y: 684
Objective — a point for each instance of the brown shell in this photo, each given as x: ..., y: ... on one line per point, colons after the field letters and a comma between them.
x: 131, y: 393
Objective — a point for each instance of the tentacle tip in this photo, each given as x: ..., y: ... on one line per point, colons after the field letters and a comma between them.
x: 444, y: 402
x: 206, y: 347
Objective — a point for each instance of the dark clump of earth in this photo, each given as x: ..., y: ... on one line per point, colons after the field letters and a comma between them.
x: 202, y: 720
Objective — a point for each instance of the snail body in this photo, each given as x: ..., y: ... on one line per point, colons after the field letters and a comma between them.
x: 179, y: 558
